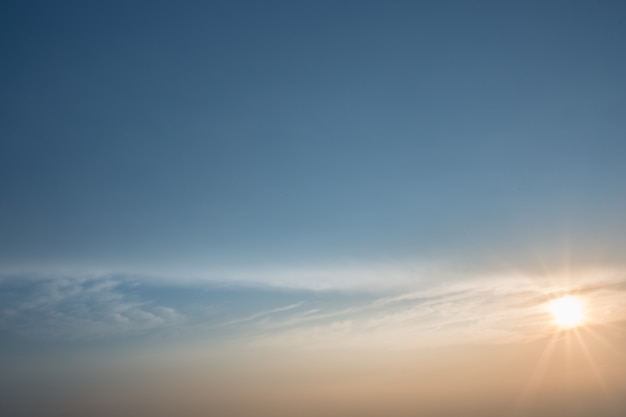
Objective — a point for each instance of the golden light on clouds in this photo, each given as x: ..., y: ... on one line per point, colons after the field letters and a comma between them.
x: 567, y: 311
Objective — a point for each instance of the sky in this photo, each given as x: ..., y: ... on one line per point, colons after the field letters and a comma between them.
x: 310, y: 208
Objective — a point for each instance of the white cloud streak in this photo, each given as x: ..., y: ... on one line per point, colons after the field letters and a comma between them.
x: 262, y: 314
x: 487, y: 311
x: 79, y: 309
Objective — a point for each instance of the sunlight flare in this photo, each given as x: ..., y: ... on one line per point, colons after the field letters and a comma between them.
x: 567, y: 311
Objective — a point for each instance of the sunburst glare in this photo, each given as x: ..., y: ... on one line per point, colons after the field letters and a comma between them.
x: 567, y: 311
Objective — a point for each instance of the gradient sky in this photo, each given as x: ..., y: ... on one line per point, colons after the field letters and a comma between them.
x: 326, y: 198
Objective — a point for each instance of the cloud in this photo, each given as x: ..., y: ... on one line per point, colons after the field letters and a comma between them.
x: 496, y: 309
x: 504, y: 310
x: 262, y: 314
x: 78, y: 308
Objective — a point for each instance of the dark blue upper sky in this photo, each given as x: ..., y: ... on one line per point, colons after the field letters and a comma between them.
x: 246, y: 133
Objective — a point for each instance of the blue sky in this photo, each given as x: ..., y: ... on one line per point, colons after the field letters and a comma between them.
x: 286, y: 177
x: 238, y: 134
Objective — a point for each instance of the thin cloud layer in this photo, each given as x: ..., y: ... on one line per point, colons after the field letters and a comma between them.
x: 501, y: 311
x: 73, y: 308
x: 488, y: 310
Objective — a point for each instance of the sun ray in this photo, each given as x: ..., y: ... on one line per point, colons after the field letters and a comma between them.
x: 592, y: 364
x: 534, y: 381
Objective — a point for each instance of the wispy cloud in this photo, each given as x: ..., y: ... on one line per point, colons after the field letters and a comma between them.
x: 262, y: 314
x: 484, y: 311
x: 76, y: 308
x: 487, y: 310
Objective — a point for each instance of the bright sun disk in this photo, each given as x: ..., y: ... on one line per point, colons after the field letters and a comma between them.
x: 567, y: 311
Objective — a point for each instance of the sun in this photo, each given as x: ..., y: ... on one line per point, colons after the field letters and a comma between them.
x: 567, y: 311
